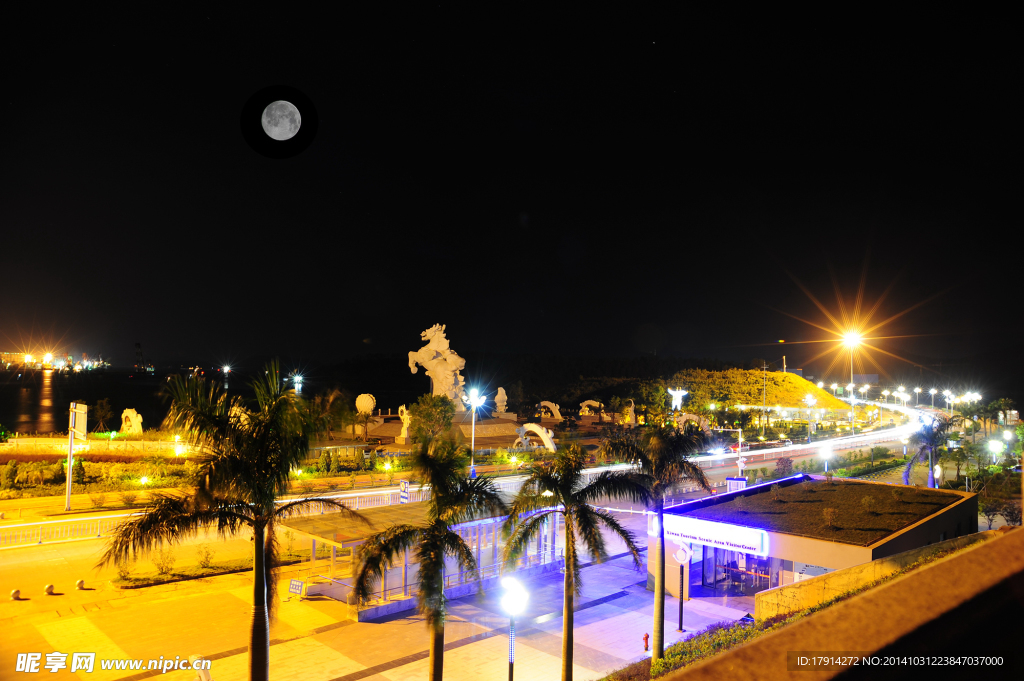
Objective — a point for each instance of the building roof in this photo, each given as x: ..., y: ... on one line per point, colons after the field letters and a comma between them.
x: 801, y: 504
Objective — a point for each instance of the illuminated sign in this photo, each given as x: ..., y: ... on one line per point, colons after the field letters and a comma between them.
x: 680, y: 529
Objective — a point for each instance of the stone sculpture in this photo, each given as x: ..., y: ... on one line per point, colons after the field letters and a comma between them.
x: 547, y: 438
x: 442, y: 364
x: 588, y: 407
x: 701, y: 422
x: 365, y: 403
x: 553, y: 408
x: 677, y: 398
x: 131, y: 422
x: 406, y: 417
x: 500, y: 400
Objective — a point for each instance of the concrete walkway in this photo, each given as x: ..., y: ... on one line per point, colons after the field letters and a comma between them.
x: 313, y: 639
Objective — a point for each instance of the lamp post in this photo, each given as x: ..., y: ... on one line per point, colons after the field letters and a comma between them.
x: 826, y: 452
x: 932, y: 393
x: 917, y: 395
x: 810, y: 404
x: 513, y: 602
x: 853, y: 400
x: 474, y: 400
x: 949, y: 401
x: 834, y: 386
x: 885, y: 394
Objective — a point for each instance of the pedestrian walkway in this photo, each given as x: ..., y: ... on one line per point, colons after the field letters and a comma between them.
x: 313, y: 640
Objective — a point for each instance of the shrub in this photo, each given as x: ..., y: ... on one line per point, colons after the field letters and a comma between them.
x: 204, y: 555
x: 335, y: 461
x: 784, y: 466
x: 352, y: 480
x: 306, y: 486
x: 124, y: 569
x: 831, y: 515
x: 98, y: 499
x: 880, y: 452
x: 776, y: 492
x: 990, y: 508
x: 324, y: 464
x: 164, y: 560
x: 828, y: 477
x: 128, y: 498
x: 78, y: 472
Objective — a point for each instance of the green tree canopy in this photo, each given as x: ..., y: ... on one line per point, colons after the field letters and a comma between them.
x: 431, y: 417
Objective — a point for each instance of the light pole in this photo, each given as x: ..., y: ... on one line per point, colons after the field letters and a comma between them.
x: 853, y: 400
x: 810, y: 404
x: 826, y: 452
x: 834, y: 386
x: 949, y: 401
x: 917, y: 401
x: 513, y: 603
x: 932, y: 393
x: 474, y: 400
x: 886, y: 394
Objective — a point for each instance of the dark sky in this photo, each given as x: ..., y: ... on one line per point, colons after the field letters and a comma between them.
x: 577, y: 187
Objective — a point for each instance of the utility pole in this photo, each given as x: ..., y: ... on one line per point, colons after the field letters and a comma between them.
x: 764, y: 390
x: 783, y: 364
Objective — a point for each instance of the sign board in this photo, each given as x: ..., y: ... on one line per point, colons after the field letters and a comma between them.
x: 295, y: 586
x: 680, y: 528
x: 741, y: 462
x: 733, y: 484
x: 403, y: 493
x: 839, y: 391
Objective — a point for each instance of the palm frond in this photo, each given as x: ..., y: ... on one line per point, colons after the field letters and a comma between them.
x: 588, y: 528
x: 616, y: 485
x: 627, y: 537
x: 171, y: 519
x: 293, y: 508
x: 378, y: 553
x: 523, y: 533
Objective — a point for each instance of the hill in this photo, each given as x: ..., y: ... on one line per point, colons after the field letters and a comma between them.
x: 736, y: 386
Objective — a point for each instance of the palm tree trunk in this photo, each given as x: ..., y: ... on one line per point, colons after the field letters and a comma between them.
x: 437, y: 653
x: 567, y: 605
x: 931, y: 470
x: 659, y: 581
x: 259, y: 635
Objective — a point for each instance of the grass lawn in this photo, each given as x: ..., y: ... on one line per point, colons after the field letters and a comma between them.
x: 800, y: 509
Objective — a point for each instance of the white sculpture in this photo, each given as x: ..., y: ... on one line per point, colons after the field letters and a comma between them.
x: 365, y: 404
x: 630, y: 415
x: 406, y: 417
x: 547, y: 438
x: 554, y: 409
x: 588, y: 407
x: 442, y: 364
x: 677, y: 398
x: 500, y: 400
x: 131, y: 422
x: 701, y: 422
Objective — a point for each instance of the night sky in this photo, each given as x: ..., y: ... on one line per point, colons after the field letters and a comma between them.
x: 578, y: 187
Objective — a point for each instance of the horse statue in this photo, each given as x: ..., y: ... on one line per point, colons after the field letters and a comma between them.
x: 442, y: 364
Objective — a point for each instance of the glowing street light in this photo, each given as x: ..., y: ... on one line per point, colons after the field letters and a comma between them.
x: 143, y: 480
x: 29, y: 359
x: 1007, y: 435
x: 886, y: 393
x: 821, y: 384
x: 513, y: 602
x: 918, y: 396
x: 826, y: 454
x: 996, y: 447
x: 932, y: 393
x: 834, y: 386
x: 473, y: 401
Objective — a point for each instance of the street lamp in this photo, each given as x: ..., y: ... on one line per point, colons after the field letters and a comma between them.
x: 932, y: 393
x: 996, y: 447
x: 821, y: 384
x: 809, y: 399
x: 849, y: 388
x: 917, y: 401
x: 474, y: 400
x: 826, y: 453
x: 834, y: 386
x: 886, y: 393
x: 513, y: 602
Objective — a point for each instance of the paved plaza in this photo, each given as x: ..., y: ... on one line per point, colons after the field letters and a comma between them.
x: 313, y: 639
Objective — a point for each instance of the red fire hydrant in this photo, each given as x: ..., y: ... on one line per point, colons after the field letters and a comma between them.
x: 647, y: 638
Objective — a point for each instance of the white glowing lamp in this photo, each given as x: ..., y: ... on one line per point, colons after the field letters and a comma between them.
x: 513, y: 601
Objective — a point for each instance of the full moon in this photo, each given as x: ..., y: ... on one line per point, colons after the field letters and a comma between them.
x: 281, y: 120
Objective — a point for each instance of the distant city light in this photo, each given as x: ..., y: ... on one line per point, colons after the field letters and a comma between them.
x: 227, y: 370
x: 143, y: 479
x: 48, y: 358
x: 28, y: 359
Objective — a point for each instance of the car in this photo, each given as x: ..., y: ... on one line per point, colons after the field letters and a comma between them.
x: 742, y: 447
x: 787, y: 443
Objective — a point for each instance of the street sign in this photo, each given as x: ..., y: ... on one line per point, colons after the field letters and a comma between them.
x: 295, y: 586
x: 78, y: 415
x: 403, y: 493
x: 741, y: 462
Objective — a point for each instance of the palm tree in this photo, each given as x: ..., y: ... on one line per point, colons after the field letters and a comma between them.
x: 927, y: 440
x: 558, y: 488
x: 454, y: 499
x: 245, y: 454
x: 662, y: 455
